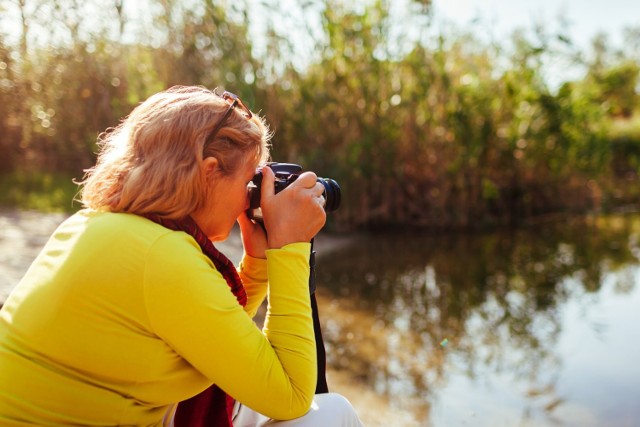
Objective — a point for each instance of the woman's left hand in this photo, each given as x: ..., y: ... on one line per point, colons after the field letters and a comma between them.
x: 254, y: 238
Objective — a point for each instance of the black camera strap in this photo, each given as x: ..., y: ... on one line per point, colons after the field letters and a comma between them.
x: 321, y: 384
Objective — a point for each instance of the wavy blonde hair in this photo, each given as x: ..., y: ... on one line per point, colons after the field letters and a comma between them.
x: 151, y: 162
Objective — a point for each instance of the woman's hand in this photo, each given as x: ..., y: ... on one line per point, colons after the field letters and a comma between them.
x: 254, y: 238
x: 296, y: 214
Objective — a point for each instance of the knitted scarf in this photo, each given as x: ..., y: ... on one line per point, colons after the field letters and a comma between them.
x: 213, y: 407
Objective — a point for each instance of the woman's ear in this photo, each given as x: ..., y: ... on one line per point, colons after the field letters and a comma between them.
x: 211, y: 168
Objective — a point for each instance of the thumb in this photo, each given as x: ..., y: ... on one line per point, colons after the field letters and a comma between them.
x: 243, y: 221
x: 267, y: 188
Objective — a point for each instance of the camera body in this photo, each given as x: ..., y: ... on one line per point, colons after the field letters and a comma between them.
x: 287, y: 173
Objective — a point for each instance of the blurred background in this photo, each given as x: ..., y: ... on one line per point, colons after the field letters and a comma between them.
x: 483, y: 266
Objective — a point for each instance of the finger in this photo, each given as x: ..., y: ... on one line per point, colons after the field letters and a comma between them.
x: 318, y: 190
x: 306, y: 180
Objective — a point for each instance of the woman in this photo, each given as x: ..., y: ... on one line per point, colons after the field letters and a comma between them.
x: 130, y: 309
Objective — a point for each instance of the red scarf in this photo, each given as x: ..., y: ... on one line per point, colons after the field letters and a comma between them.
x: 213, y: 407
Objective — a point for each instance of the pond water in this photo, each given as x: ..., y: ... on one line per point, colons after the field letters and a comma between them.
x: 536, y: 327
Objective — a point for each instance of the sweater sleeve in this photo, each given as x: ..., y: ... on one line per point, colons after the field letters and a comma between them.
x: 192, y: 309
x: 253, y: 272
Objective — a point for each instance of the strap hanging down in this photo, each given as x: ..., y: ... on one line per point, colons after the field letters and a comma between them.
x: 321, y: 384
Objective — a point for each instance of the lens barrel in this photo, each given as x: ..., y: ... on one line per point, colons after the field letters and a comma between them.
x: 331, y: 194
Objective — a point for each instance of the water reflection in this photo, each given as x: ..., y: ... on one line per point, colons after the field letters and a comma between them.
x: 447, y: 327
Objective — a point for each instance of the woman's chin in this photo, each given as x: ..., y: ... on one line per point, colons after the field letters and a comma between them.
x: 219, y: 237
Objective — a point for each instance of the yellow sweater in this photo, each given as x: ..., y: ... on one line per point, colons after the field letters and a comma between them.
x: 119, y: 317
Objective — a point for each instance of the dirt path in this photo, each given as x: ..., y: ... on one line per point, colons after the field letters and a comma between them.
x: 22, y: 235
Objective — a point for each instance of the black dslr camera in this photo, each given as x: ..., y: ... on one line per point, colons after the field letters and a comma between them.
x: 285, y: 174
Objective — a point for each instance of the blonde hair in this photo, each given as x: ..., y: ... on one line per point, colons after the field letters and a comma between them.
x: 151, y: 162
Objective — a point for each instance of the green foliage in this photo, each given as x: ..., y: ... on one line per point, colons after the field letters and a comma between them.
x: 38, y: 191
x: 440, y: 136
x: 620, y: 186
x: 419, y: 127
x: 613, y: 77
x: 617, y: 86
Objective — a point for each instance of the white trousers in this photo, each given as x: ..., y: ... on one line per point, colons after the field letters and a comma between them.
x: 327, y: 410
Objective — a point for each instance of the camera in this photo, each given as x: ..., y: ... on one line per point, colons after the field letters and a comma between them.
x: 285, y: 174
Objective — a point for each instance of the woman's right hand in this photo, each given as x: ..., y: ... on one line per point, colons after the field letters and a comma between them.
x: 295, y: 214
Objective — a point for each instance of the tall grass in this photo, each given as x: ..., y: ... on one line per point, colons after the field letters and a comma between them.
x: 420, y: 127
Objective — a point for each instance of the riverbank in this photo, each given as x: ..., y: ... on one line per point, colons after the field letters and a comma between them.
x: 23, y: 233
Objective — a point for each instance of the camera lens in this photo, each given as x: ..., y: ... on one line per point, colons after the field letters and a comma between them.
x: 331, y: 194
x: 286, y: 173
